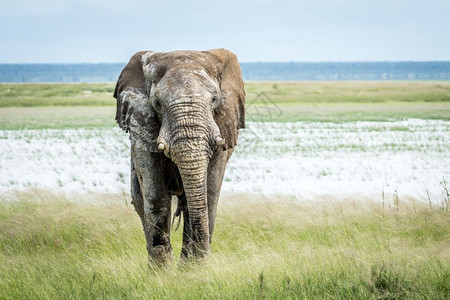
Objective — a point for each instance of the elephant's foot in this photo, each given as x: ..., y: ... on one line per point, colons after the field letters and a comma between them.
x: 191, y: 253
x: 187, y: 252
x: 160, y: 255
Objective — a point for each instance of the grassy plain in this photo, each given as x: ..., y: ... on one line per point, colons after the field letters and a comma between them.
x: 37, y: 106
x: 93, y: 247
x: 56, y: 94
x: 60, y: 117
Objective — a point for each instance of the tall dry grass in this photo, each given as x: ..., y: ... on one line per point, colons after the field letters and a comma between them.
x: 55, y: 246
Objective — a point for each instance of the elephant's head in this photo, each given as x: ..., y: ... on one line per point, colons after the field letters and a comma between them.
x: 187, y: 104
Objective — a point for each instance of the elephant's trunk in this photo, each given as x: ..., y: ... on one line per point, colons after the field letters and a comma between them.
x: 193, y: 175
x: 192, y: 139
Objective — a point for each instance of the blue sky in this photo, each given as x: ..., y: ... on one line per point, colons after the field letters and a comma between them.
x: 52, y: 31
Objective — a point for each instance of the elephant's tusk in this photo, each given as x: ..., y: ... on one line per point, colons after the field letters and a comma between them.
x: 220, y: 141
x: 161, y: 146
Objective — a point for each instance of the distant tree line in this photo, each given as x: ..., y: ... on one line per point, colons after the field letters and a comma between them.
x: 295, y: 71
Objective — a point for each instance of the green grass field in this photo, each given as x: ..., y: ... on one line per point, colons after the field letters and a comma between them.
x: 90, y: 245
x: 31, y: 95
x: 95, y: 248
x: 36, y: 106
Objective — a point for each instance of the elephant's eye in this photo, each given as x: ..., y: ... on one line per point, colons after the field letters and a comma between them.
x: 157, y: 104
x: 214, y: 99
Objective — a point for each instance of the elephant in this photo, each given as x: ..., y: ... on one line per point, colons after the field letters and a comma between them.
x: 183, y: 111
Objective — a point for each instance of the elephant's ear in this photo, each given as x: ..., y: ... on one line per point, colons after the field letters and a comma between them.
x: 230, y: 116
x: 134, y: 113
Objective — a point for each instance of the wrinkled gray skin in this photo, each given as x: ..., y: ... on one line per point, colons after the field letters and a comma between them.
x: 183, y: 111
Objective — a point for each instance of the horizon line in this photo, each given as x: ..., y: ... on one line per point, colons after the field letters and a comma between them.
x: 241, y: 62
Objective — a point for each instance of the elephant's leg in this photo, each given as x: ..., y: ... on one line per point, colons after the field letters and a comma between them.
x: 156, y: 204
x: 216, y: 171
x: 188, y: 244
x: 136, y: 196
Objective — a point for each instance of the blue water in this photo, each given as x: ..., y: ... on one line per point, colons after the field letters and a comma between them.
x: 292, y: 71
